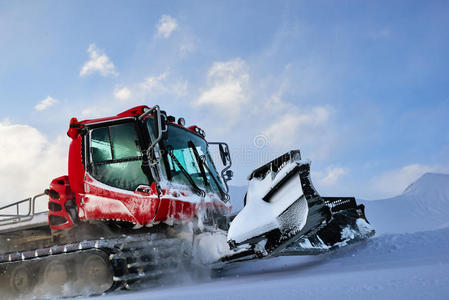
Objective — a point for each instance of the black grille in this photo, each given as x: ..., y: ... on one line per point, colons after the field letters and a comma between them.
x: 57, y: 220
x: 54, y: 206
x: 54, y: 194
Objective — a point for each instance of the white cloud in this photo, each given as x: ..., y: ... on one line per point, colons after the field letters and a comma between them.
x: 152, y: 86
x: 122, y: 94
x: 166, y: 26
x: 29, y: 161
x: 284, y: 132
x: 228, y: 87
x: 394, y: 182
x: 332, y: 176
x: 154, y: 83
x: 98, y: 62
x: 46, y: 103
x: 160, y: 84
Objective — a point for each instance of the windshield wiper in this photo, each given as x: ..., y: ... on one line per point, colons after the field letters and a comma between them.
x: 197, y: 190
x: 202, y: 162
x: 198, y: 160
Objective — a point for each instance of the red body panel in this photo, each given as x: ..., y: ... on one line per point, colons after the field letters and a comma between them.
x: 104, y: 202
x: 76, y: 168
x: 144, y: 209
x: 171, y: 208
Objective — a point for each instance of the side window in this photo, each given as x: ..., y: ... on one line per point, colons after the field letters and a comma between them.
x: 125, y: 143
x: 116, y: 158
x: 100, y: 145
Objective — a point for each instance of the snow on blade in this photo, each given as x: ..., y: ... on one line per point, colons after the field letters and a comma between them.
x: 259, y: 216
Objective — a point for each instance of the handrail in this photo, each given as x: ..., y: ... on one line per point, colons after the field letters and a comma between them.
x: 8, y: 219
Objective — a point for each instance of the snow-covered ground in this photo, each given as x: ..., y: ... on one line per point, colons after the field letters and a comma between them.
x: 404, y: 266
x: 407, y: 259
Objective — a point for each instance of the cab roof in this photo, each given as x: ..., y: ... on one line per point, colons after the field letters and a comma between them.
x: 132, y: 112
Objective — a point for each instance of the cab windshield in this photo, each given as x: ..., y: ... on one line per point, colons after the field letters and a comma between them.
x: 185, y: 150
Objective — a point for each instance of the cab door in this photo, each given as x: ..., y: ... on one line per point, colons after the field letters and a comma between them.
x: 116, y: 187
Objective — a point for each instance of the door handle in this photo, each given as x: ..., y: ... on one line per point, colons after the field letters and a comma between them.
x: 144, y: 189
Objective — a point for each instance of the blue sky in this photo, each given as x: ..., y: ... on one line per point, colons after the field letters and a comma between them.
x: 362, y: 88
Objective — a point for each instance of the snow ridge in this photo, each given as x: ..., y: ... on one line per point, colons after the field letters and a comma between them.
x: 424, y: 205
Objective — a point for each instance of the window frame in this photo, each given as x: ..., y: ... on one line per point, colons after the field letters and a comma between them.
x: 113, y: 160
x: 88, y: 160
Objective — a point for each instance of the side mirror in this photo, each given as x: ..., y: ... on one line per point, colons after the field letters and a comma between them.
x: 159, y: 122
x: 225, y: 156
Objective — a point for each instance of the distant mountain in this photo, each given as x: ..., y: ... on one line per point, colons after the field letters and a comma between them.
x: 424, y: 205
x: 430, y: 185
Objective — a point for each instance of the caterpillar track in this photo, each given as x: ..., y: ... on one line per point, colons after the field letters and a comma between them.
x: 92, y: 266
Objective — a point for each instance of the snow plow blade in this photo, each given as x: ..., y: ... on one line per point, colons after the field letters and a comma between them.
x: 347, y: 226
x: 285, y: 215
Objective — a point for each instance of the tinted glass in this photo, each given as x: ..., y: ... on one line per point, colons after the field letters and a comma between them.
x: 100, y: 145
x: 125, y: 142
x: 126, y: 175
x: 186, y: 158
